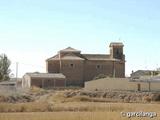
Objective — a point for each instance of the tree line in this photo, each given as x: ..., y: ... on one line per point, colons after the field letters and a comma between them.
x: 4, y: 68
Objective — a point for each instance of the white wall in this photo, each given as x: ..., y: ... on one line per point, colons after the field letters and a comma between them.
x: 120, y: 84
x: 26, y: 82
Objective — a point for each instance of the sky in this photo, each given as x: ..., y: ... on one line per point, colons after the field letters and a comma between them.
x: 33, y: 30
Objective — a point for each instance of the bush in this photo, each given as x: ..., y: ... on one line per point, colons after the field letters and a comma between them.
x: 147, y: 99
x: 100, y: 76
x: 156, y: 97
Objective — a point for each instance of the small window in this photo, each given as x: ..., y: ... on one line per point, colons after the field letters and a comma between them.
x: 98, y: 66
x: 71, y: 65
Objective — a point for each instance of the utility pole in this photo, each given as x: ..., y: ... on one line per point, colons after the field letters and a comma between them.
x: 16, y: 75
x: 16, y: 71
x: 60, y: 62
x: 114, y: 70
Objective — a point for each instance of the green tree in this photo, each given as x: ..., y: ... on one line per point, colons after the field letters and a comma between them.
x: 4, y: 67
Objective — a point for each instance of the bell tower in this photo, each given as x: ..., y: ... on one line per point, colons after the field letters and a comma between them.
x: 116, y: 50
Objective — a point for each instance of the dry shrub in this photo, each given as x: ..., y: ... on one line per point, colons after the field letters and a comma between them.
x: 8, y: 107
x: 16, y: 98
x: 2, y: 98
x: 100, y: 76
x: 82, y: 98
x: 146, y: 99
x: 35, y: 89
x: 127, y: 99
x: 24, y: 107
x: 156, y: 97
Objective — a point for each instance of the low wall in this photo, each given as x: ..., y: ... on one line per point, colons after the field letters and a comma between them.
x: 121, y: 84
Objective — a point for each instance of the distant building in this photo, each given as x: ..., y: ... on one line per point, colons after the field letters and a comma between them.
x: 43, y: 80
x: 79, y: 68
x: 8, y: 86
x: 144, y: 73
x: 18, y: 81
x: 8, y: 83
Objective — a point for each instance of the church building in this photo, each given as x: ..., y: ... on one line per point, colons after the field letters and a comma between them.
x: 79, y: 68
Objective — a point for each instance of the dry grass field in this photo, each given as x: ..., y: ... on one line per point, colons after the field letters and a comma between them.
x: 62, y: 116
x: 67, y: 116
x: 76, y: 105
x: 94, y: 111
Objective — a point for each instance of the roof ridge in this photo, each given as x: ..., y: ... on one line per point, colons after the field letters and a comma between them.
x: 96, y: 54
x: 70, y: 49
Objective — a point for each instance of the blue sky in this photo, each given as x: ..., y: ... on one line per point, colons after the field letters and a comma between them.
x: 33, y: 30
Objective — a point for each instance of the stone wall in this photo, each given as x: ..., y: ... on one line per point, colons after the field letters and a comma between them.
x: 74, y: 72
x: 53, y: 66
x: 94, y: 68
x: 79, y: 71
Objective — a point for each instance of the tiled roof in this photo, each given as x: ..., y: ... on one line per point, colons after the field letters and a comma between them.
x: 54, y: 57
x: 69, y: 56
x: 97, y: 57
x: 69, y: 49
x: 46, y: 75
